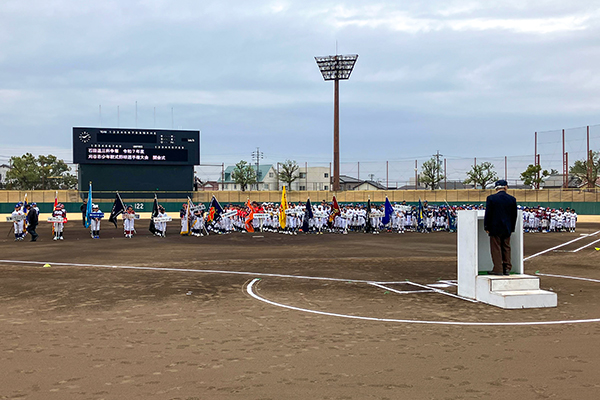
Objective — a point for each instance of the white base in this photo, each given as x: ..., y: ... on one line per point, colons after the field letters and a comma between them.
x: 514, y: 291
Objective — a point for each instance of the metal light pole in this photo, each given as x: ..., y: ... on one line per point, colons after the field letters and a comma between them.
x: 336, y: 68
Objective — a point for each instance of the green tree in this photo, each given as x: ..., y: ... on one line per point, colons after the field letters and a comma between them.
x: 288, y: 173
x: 587, y: 170
x: 42, y: 173
x: 481, y: 175
x: 534, y: 176
x: 431, y: 174
x: 244, y: 175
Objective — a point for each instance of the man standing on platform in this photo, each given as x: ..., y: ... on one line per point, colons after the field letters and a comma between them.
x: 499, y: 222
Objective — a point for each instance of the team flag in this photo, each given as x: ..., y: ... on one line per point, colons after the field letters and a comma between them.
x: 308, y: 214
x: 368, y: 224
x: 284, y: 206
x: 55, y: 201
x: 249, y: 217
x: 152, y: 227
x: 89, y: 207
x: 420, y: 214
x: 23, y: 209
x: 388, y: 212
x: 117, y: 209
x: 214, y: 210
x: 335, y: 211
x: 187, y: 218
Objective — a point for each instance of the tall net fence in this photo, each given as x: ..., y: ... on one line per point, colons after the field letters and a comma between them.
x: 556, y: 150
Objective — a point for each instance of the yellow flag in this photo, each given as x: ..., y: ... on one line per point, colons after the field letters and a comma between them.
x: 284, y: 207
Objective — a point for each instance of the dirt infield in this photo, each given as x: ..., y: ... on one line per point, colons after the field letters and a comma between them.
x: 101, y: 330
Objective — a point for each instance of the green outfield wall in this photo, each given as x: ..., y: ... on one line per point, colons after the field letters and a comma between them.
x: 583, y: 201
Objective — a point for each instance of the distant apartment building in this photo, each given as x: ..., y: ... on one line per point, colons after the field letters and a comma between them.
x: 309, y: 178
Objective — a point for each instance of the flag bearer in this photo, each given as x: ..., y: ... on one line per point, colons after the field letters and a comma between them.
x: 129, y: 222
x: 95, y: 223
x: 18, y: 225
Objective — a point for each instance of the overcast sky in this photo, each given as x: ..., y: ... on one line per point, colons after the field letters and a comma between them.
x: 467, y: 78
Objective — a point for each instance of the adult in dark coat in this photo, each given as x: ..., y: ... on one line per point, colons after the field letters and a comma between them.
x: 499, y: 222
x: 32, y: 222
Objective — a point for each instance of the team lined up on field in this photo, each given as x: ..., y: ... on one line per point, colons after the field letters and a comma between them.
x: 323, y: 217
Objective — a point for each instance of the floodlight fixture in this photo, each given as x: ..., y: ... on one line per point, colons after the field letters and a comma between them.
x: 336, y: 68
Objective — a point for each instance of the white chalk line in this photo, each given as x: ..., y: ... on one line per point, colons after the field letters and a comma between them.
x: 559, y: 246
x: 401, y: 291
x: 587, y: 245
x: 250, y: 291
x: 208, y: 271
x: 569, y: 277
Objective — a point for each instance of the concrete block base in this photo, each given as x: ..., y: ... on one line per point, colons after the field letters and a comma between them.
x: 513, y: 292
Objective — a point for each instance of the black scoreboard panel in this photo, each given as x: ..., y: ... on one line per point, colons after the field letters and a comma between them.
x: 138, y: 178
x: 135, y: 146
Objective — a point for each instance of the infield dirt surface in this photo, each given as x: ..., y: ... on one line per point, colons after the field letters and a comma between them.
x: 96, y: 332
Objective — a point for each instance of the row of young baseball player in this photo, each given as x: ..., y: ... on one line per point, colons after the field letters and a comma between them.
x: 351, y: 218
x: 540, y: 219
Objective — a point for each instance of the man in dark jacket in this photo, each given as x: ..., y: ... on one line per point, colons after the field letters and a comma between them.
x: 499, y: 222
x: 32, y: 222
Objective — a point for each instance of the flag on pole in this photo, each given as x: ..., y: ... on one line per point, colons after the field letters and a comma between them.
x: 388, y: 212
x: 335, y: 211
x: 368, y: 224
x: 23, y: 209
x: 284, y: 206
x: 308, y: 214
x: 55, y: 201
x: 420, y: 214
x: 186, y: 218
x: 89, y: 208
x: 249, y: 217
x: 214, y: 210
x: 152, y: 227
x: 117, y: 209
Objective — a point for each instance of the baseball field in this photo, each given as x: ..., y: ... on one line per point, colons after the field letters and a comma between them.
x: 271, y: 316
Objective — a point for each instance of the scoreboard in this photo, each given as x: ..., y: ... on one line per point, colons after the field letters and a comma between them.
x: 135, y: 146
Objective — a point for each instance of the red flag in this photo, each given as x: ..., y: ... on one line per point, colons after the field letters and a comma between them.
x: 335, y: 211
x: 55, y: 200
x: 249, y: 217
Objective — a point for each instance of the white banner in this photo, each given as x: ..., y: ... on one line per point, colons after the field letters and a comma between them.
x: 230, y: 213
x: 162, y: 219
x: 199, y: 207
x: 56, y: 219
x: 261, y: 215
x: 16, y: 218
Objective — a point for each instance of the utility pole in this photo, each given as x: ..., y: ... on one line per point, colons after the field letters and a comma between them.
x: 437, y: 156
x: 257, y: 156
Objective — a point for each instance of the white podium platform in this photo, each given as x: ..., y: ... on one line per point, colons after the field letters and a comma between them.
x: 513, y: 291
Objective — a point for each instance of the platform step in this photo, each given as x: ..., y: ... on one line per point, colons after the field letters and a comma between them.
x: 513, y: 282
x: 522, y: 299
x: 514, y: 291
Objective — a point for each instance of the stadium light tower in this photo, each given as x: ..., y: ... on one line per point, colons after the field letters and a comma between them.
x: 336, y: 68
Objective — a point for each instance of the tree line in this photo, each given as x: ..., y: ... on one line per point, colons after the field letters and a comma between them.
x: 28, y: 172
x: 482, y: 175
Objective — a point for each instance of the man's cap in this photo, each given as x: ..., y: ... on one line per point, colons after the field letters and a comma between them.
x: 500, y: 184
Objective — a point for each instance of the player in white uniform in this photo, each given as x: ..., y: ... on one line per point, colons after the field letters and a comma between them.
x: 18, y: 225
x: 59, y: 212
x: 95, y: 223
x: 161, y: 227
x: 129, y: 222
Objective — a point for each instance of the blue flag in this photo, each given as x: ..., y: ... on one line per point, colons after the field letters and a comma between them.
x: 89, y: 208
x: 388, y: 211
